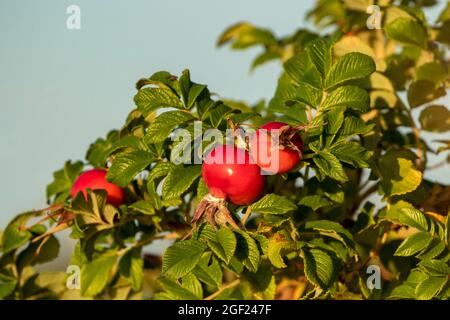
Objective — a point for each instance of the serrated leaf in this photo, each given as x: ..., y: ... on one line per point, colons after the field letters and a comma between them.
x: 319, y: 50
x: 209, y: 273
x: 329, y: 165
x: 326, y: 226
x: 191, y: 283
x: 160, y: 128
x: 315, y: 201
x: 407, y: 31
x: 175, y: 290
x: 351, y: 152
x: 178, y: 180
x: 347, y: 96
x: 143, y: 206
x: 149, y: 99
x: 181, y: 258
x: 353, y: 65
x: 63, y: 180
x: 301, y: 70
x: 95, y: 274
x: 127, y: 165
x: 224, y: 245
x: 319, y: 267
x: 435, y: 267
x: 413, y: 218
x: 247, y: 251
x: 430, y: 288
x: 276, y: 244
x: 413, y: 244
x: 399, y: 175
x: 273, y: 204
x: 15, y: 234
x: 131, y: 266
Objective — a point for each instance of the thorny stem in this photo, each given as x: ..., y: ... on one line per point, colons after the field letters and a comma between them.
x: 223, y: 288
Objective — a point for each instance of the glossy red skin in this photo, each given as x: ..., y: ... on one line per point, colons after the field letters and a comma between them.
x: 287, y: 158
x: 230, y: 174
x: 95, y: 179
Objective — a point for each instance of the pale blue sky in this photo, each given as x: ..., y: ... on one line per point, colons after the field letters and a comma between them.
x: 61, y: 89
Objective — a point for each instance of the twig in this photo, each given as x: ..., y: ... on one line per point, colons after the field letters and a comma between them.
x: 222, y: 289
x: 247, y: 214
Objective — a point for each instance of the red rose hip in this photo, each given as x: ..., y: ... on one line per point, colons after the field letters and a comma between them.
x: 230, y: 174
x: 276, y: 147
x: 95, y: 179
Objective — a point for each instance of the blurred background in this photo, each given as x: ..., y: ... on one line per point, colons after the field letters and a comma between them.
x: 60, y: 89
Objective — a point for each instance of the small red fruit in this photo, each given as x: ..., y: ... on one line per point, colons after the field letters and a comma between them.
x: 230, y: 174
x: 96, y: 179
x: 276, y: 156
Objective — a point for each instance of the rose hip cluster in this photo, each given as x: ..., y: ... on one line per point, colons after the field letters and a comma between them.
x: 236, y: 175
x: 231, y: 173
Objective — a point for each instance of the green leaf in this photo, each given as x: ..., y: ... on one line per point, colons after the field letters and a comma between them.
x: 143, y: 206
x: 163, y: 125
x: 246, y: 35
x: 149, y: 99
x: 127, y: 165
x: 15, y: 234
x: 407, y: 31
x: 308, y: 94
x: 191, y: 283
x: 333, y: 229
x: 413, y: 218
x: 7, y: 286
x: 179, y: 179
x: 319, y: 50
x: 95, y: 274
x: 276, y: 244
x: 209, y: 273
x: 181, y: 258
x: 319, y: 267
x: 177, y: 291
x: 63, y: 180
x: 431, y: 71
x: 351, y: 152
x: 329, y: 165
x: 347, y: 96
x: 301, y: 70
x: 430, y: 288
x: 353, y: 65
x: 399, y: 175
x: 247, y: 251
x: 273, y: 204
x: 131, y: 266
x: 315, y: 201
x: 423, y: 91
x: 224, y: 245
x: 435, y: 118
x: 413, y: 244
x: 435, y: 267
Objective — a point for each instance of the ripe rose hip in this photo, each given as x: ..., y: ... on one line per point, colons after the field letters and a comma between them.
x: 230, y: 174
x: 276, y: 147
x: 95, y: 179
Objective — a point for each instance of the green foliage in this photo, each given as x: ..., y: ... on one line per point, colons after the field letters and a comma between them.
x: 359, y: 198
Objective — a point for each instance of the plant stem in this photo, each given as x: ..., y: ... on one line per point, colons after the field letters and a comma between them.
x: 246, y: 216
x: 223, y: 288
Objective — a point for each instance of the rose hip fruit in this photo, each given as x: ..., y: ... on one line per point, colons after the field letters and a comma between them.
x: 230, y: 174
x: 95, y: 179
x: 276, y: 147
